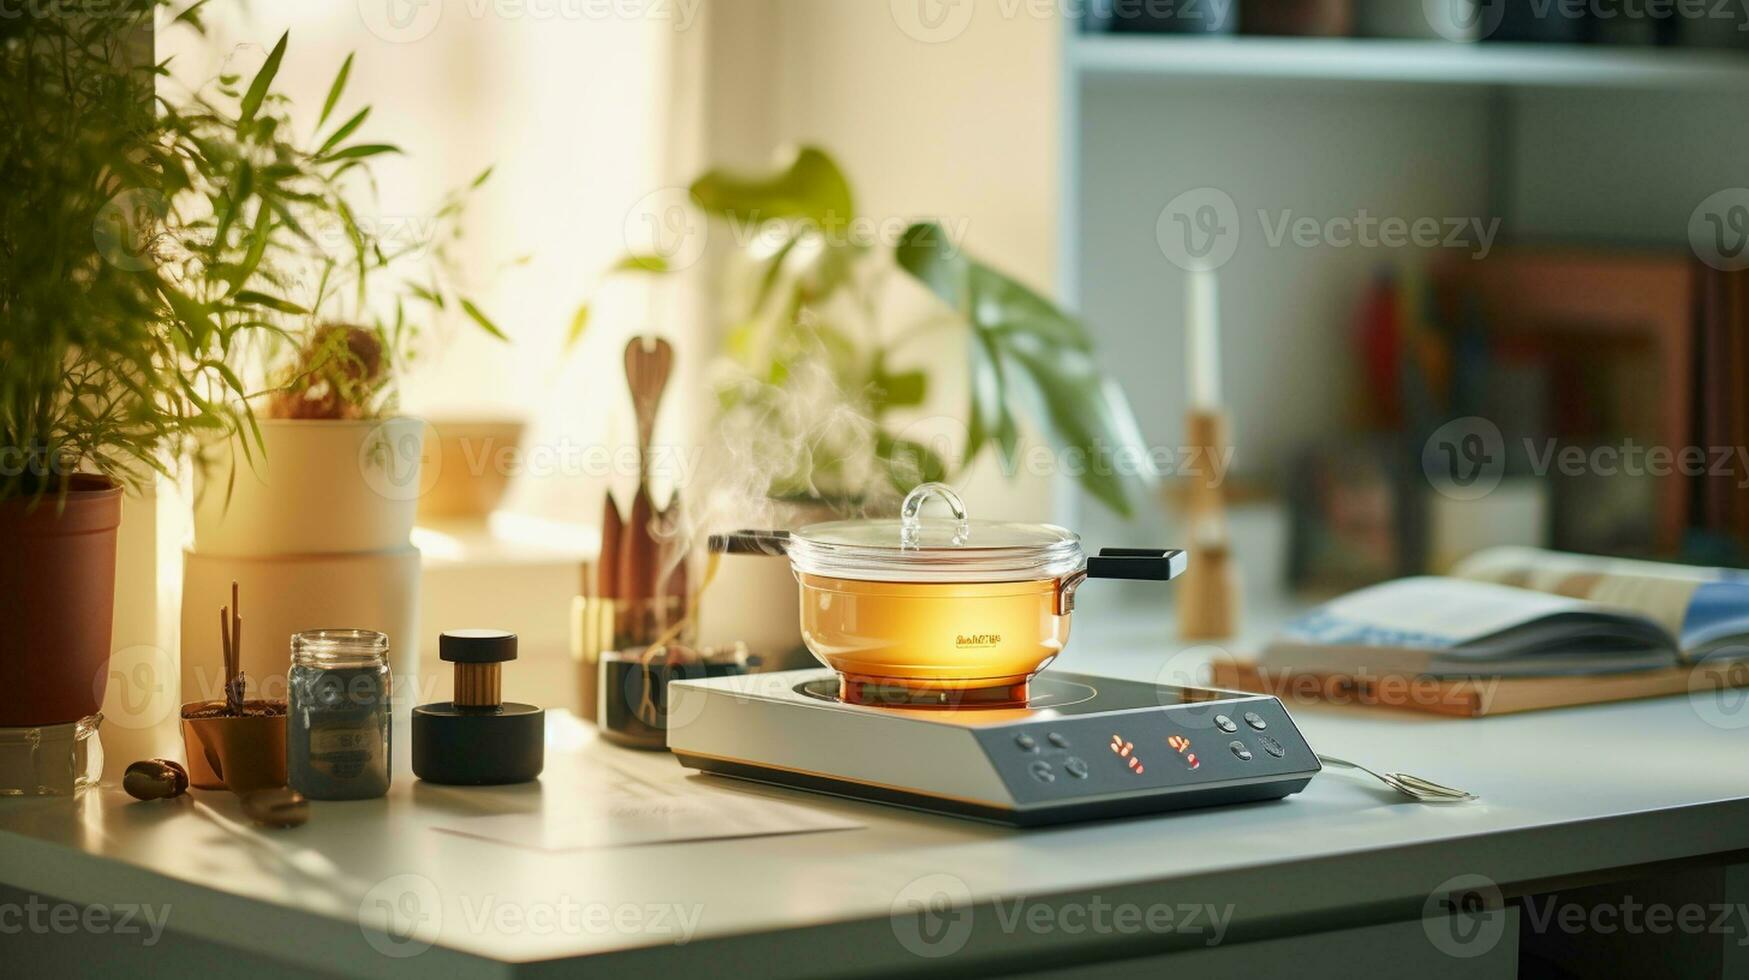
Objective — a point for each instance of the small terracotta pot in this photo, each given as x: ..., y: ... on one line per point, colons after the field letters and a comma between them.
x: 469, y: 463
x: 57, y: 598
x: 238, y: 754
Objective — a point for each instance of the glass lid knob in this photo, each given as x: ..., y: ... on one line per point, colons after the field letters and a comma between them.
x: 910, y: 513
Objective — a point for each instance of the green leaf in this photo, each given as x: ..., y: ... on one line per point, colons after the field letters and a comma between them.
x: 258, y: 88
x: 485, y: 323
x: 1087, y: 411
x: 191, y: 16
x: 991, y: 419
x: 258, y: 239
x: 902, y: 390
x: 484, y: 174
x: 358, y: 151
x: 334, y: 91
x: 579, y: 324
x: 810, y: 187
x: 909, y: 463
x: 344, y: 131
x: 1020, y: 336
x: 431, y: 296
x: 654, y: 264
x: 254, y: 298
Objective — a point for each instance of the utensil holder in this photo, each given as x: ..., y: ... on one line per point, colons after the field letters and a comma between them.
x: 633, y: 691
x: 602, y: 625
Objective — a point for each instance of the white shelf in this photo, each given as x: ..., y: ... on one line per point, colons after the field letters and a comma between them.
x: 1408, y: 62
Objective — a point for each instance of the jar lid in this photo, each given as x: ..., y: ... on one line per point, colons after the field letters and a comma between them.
x: 915, y: 548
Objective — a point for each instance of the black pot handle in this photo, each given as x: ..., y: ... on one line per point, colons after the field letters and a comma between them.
x: 1145, y: 564
x: 747, y: 542
x: 1149, y: 564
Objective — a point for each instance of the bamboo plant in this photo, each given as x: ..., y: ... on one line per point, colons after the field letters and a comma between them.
x: 109, y: 361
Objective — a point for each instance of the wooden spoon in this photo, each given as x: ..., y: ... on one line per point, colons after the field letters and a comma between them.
x: 649, y: 360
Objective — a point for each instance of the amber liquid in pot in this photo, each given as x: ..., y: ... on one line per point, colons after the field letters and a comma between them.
x: 941, y: 644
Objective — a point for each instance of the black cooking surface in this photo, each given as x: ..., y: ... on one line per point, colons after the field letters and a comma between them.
x: 1054, y: 695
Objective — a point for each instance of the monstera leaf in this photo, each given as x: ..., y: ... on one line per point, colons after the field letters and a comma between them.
x: 811, y: 187
x: 1021, y: 341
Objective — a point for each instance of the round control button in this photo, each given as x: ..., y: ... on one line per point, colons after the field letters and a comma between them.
x: 1240, y: 750
x: 1057, y: 739
x: 1226, y: 724
x: 1075, y: 767
x: 1025, y: 742
x: 1043, y: 772
x: 1255, y: 720
x: 1272, y: 746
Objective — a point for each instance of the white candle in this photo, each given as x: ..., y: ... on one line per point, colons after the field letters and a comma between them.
x: 1202, y: 341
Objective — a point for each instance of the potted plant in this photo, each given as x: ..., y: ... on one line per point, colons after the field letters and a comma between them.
x: 235, y: 742
x: 823, y: 366
x: 108, y: 365
x: 819, y: 372
x: 317, y: 524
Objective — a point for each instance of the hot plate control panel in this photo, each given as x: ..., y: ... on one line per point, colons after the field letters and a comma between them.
x: 1183, y: 746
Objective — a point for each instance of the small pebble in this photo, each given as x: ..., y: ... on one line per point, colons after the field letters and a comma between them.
x: 279, y: 807
x: 155, y: 779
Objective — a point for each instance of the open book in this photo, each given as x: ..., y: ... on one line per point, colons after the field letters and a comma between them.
x: 1524, y: 612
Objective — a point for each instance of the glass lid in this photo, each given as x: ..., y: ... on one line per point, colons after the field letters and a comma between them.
x: 916, y: 548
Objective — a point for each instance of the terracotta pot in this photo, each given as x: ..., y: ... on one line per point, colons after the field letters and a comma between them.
x: 238, y: 754
x: 470, y: 462
x: 57, y: 598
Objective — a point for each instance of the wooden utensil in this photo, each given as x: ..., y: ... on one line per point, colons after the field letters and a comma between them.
x: 612, y: 543
x: 649, y: 361
x: 638, y: 560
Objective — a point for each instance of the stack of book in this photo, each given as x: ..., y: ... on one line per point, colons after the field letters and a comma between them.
x: 1514, y: 629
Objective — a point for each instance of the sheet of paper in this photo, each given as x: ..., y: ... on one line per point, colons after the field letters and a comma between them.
x: 615, y: 809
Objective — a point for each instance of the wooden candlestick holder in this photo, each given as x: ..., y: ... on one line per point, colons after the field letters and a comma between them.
x: 1208, y: 593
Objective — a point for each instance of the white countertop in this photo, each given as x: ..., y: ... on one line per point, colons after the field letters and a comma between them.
x: 1563, y: 793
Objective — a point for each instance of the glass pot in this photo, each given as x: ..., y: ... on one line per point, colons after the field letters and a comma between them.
x: 945, y: 611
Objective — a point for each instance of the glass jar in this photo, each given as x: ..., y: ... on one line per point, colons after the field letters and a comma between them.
x: 337, y: 743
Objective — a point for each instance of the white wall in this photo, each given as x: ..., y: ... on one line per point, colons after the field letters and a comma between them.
x: 964, y: 129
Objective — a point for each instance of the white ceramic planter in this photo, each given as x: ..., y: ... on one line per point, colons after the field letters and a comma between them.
x: 320, y: 487
x: 282, y: 595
